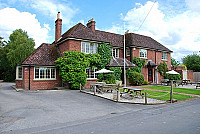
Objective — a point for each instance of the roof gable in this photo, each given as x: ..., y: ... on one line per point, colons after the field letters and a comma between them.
x: 45, y: 54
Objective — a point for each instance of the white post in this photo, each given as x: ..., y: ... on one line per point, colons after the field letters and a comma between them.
x: 124, y: 58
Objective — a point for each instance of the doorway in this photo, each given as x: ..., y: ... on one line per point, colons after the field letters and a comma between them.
x: 150, y: 74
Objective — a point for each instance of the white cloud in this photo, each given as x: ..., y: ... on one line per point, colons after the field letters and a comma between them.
x: 52, y: 7
x: 12, y: 19
x: 179, y: 32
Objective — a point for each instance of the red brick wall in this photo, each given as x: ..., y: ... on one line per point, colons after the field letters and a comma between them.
x: 151, y: 56
x: 70, y: 45
x: 37, y: 84
x: 121, y: 53
x: 190, y: 75
x: 87, y: 85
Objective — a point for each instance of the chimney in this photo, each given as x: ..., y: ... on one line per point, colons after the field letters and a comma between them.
x: 58, y: 27
x: 91, y: 24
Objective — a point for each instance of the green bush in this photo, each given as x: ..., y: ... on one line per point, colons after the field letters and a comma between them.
x: 135, y: 78
x: 111, y: 78
x: 145, y: 82
x: 173, y: 76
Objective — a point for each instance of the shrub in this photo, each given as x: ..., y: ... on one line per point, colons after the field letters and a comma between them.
x: 173, y: 76
x: 111, y: 78
x: 135, y: 78
x: 145, y: 82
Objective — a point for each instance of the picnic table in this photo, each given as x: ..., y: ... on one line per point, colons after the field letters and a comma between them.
x: 198, y: 84
x: 186, y: 81
x: 102, y: 87
x: 130, y: 90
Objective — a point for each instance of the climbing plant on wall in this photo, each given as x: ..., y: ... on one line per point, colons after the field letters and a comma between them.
x: 72, y: 67
x: 162, y: 69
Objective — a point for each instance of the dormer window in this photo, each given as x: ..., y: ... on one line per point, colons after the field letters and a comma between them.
x: 87, y: 47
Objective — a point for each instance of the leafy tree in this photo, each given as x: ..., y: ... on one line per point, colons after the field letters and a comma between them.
x: 2, y: 42
x: 174, y: 62
x: 20, y: 46
x: 15, y: 51
x: 192, y: 62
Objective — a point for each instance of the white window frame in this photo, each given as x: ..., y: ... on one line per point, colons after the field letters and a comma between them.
x: 89, y: 45
x: 95, y: 75
x: 17, y: 73
x: 144, y: 52
x: 45, y: 67
x: 127, y: 51
x: 164, y: 55
x: 115, y: 52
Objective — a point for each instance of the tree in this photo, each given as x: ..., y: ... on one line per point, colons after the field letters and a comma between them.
x: 174, y: 62
x: 192, y: 62
x: 20, y: 46
x: 2, y: 42
x: 12, y: 53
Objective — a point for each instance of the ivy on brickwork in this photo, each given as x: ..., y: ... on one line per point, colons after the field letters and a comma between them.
x: 72, y: 67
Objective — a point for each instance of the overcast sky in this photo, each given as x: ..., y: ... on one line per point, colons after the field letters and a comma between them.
x: 174, y: 23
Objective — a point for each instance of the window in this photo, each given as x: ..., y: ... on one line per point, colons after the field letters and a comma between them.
x: 90, y: 73
x: 115, y: 52
x: 19, y: 73
x: 45, y: 73
x: 127, y: 51
x: 143, y: 53
x: 164, y: 56
x: 87, y: 47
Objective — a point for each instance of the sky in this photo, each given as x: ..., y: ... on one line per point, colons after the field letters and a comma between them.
x: 173, y: 23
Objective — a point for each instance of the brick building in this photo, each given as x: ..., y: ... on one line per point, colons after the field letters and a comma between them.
x: 38, y: 70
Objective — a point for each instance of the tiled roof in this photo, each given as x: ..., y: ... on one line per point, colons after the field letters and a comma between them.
x: 137, y: 40
x: 119, y: 62
x: 45, y: 54
x: 80, y: 31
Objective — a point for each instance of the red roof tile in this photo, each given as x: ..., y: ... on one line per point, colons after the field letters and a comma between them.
x: 45, y: 54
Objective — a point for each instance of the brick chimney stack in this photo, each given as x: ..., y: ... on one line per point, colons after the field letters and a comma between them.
x: 91, y: 24
x: 58, y: 27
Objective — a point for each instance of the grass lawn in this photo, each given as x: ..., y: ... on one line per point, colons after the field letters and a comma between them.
x: 175, y: 89
x: 163, y: 96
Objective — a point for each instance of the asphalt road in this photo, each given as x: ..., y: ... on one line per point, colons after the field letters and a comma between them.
x: 72, y: 112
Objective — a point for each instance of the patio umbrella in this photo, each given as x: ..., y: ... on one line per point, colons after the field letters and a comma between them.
x: 172, y: 72
x: 103, y: 71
